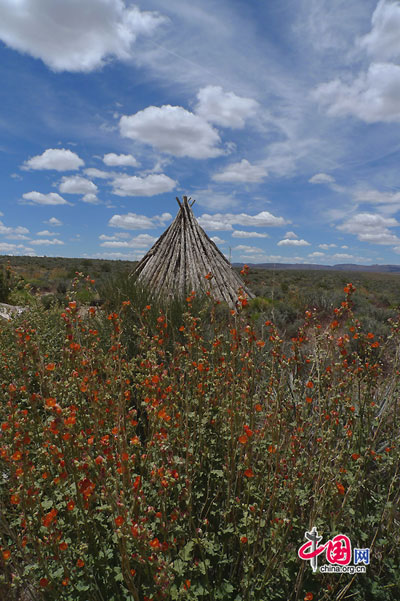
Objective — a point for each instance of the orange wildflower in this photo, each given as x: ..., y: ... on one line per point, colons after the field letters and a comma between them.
x: 15, y: 499
x: 243, y: 540
x: 119, y: 520
x: 243, y: 439
x: 6, y: 554
x: 309, y: 597
x: 340, y: 487
x: 49, y: 518
x: 80, y: 563
x: 50, y: 366
x: 249, y: 473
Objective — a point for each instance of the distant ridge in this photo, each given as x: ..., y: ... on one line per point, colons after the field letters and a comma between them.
x: 313, y: 266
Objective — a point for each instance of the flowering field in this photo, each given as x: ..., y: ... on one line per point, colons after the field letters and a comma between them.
x: 192, y: 467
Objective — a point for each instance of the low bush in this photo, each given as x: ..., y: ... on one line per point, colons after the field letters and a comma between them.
x: 192, y: 469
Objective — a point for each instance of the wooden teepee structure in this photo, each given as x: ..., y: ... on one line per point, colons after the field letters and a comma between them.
x: 181, y: 259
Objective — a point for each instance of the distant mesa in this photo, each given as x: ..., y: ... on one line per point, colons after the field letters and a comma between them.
x: 315, y: 267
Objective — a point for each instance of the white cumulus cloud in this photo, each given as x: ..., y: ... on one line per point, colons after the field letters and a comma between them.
x: 241, y: 172
x: 321, y: 178
x: 131, y: 221
x: 218, y: 240
x: 116, y: 236
x: 382, y: 42
x: 90, y: 198
x: 224, y: 108
x: 225, y: 221
x: 75, y: 184
x: 174, y: 130
x: 140, y: 241
x: 342, y: 256
x: 13, y: 232
x: 98, y: 173
x: 248, y: 249
x: 58, y: 159
x: 74, y: 35
x: 47, y: 233
x: 316, y: 255
x: 150, y: 185
x: 372, y: 94
x: 372, y: 228
x: 377, y: 197
x: 15, y: 249
x: 119, y: 160
x: 45, y: 199
x: 54, y: 221
x: 292, y: 242
x: 243, y: 234
x: 46, y: 242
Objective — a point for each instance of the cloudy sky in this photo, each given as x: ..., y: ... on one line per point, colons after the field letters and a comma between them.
x: 280, y: 117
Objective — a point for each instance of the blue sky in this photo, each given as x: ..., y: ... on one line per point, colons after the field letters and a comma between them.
x: 280, y: 117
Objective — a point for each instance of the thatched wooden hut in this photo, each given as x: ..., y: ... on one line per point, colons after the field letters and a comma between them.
x: 185, y: 259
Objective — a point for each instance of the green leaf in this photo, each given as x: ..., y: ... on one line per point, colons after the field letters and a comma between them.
x: 186, y: 552
x: 179, y: 567
x: 227, y: 587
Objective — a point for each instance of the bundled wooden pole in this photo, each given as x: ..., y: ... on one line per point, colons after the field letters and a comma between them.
x: 181, y: 259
